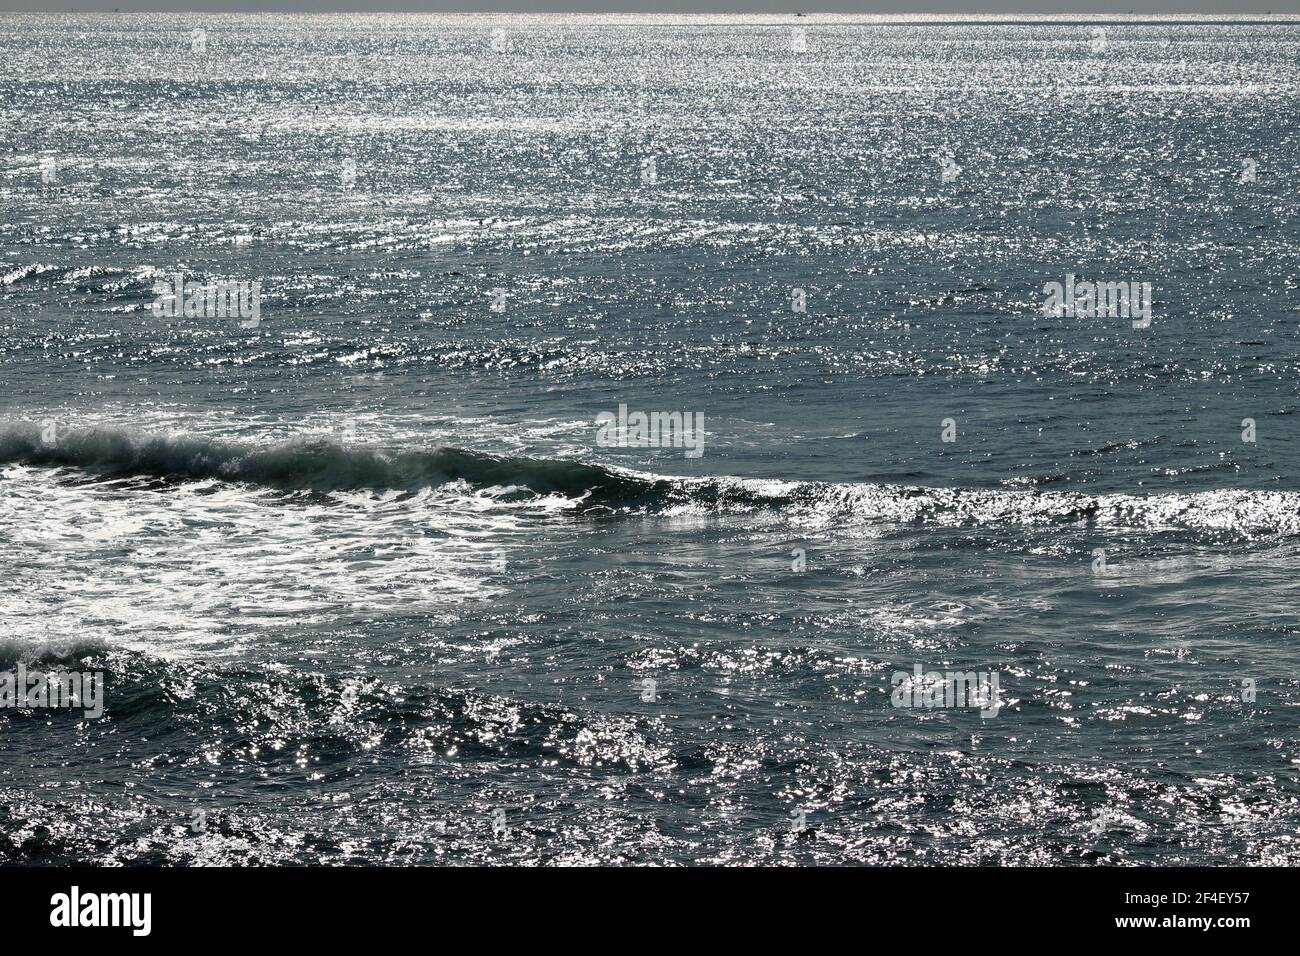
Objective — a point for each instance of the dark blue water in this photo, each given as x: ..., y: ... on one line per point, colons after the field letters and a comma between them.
x: 366, y: 588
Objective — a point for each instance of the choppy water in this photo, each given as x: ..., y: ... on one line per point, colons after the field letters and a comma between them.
x: 366, y: 589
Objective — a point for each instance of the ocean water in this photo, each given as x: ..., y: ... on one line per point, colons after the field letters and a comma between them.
x: 364, y: 585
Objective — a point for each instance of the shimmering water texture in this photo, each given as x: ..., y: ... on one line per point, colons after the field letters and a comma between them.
x: 365, y: 585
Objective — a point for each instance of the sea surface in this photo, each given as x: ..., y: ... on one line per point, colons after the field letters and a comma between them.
x: 366, y: 589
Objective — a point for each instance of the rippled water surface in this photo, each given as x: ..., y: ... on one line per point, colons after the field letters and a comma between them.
x: 366, y: 589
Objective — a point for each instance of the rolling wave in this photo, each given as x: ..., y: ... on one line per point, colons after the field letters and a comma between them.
x: 309, y: 464
x: 317, y: 464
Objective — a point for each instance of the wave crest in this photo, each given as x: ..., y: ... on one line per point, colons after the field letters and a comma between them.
x: 314, y: 464
x: 317, y: 464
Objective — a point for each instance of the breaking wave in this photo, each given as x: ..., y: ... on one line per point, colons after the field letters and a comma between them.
x: 315, y: 464
x: 308, y: 464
